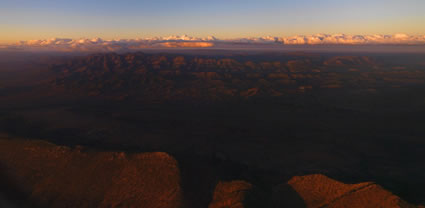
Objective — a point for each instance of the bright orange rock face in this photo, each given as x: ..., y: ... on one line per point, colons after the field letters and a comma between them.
x: 321, y: 191
x: 54, y: 176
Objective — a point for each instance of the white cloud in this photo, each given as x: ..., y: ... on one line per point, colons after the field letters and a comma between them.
x: 355, y: 39
x: 99, y: 45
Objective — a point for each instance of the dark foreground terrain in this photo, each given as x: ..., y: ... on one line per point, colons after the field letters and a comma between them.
x: 230, y: 124
x: 57, y: 176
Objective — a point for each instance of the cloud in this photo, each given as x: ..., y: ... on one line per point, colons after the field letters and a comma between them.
x: 187, y: 44
x: 100, y: 45
x: 343, y: 39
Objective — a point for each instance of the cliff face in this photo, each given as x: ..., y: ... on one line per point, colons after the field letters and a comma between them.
x: 53, y: 176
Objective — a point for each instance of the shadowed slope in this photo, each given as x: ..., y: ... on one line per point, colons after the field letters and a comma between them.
x: 230, y: 194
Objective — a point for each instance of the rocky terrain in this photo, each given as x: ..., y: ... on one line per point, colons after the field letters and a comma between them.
x: 238, y: 128
x: 55, y: 176
x: 161, y: 77
x: 46, y: 175
x: 321, y: 191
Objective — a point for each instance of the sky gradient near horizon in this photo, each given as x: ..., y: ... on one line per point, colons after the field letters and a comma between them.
x: 111, y: 19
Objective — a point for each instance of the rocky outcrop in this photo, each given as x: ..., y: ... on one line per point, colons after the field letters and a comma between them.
x: 321, y: 191
x: 311, y: 191
x: 230, y: 194
x: 41, y: 174
x: 54, y: 176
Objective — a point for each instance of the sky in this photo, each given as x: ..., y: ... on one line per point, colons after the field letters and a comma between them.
x: 129, y: 19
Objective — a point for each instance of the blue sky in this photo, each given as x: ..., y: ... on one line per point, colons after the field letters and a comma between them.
x: 40, y: 19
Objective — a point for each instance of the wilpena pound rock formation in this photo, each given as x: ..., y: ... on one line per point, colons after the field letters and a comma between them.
x: 47, y: 175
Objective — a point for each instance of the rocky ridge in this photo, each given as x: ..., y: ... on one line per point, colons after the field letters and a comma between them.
x: 54, y: 176
x: 170, y: 78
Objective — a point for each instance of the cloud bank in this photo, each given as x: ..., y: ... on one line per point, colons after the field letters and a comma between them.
x: 184, y: 41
